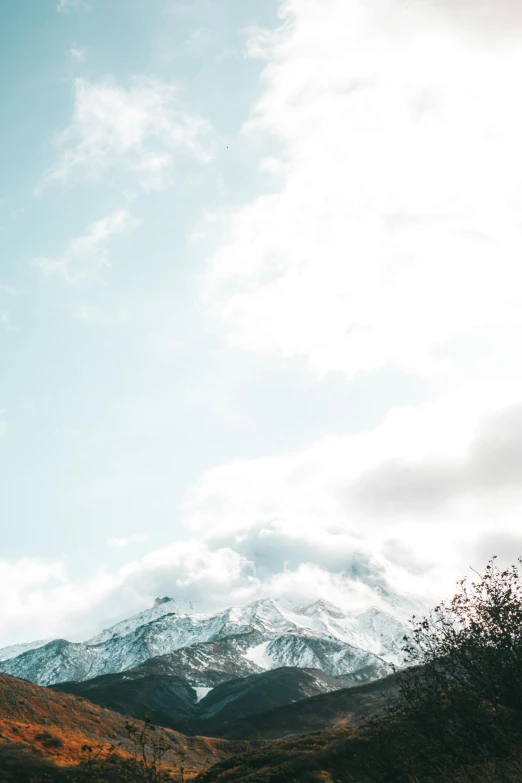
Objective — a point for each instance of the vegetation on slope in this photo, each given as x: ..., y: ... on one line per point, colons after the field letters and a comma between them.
x: 45, y: 733
x: 456, y: 715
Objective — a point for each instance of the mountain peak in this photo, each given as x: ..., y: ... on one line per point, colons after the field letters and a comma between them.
x: 263, y: 634
x: 374, y: 611
x: 266, y: 602
x: 160, y: 601
x: 322, y: 606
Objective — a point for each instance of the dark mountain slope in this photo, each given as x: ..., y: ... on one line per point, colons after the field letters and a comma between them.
x: 169, y: 698
x: 172, y: 701
x: 237, y: 699
x: 339, y: 708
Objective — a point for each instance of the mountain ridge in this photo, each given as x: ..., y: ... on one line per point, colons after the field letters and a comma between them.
x: 263, y: 635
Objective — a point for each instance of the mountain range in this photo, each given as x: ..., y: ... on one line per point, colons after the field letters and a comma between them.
x: 209, y: 649
x: 240, y: 678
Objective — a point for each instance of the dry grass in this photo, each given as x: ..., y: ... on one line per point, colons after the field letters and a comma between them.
x: 58, y: 726
x: 506, y: 771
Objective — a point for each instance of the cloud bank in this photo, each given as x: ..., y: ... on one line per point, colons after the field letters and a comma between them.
x: 390, y: 234
x: 396, y: 514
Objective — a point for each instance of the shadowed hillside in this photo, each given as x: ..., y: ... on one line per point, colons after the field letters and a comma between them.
x: 172, y: 701
x: 348, y: 706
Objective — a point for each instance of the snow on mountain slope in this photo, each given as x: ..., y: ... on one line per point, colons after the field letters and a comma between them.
x: 123, y: 628
x: 265, y: 616
x: 328, y: 654
x: 325, y: 618
x: 56, y: 661
x: 258, y: 655
x: 17, y: 649
x: 266, y: 635
x: 385, y: 631
x: 208, y: 664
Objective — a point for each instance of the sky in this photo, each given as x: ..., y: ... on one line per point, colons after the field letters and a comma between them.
x: 260, y: 302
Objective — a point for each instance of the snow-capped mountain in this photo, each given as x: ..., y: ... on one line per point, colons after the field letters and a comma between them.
x: 17, y: 649
x: 266, y: 635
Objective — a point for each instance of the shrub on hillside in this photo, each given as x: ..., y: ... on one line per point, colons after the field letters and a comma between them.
x: 460, y: 701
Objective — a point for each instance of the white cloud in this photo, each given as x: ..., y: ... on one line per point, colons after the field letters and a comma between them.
x: 138, y: 129
x: 125, y: 541
x: 394, y: 233
x: 403, y: 510
x: 85, y: 256
x: 77, y: 54
x: 41, y: 600
x: 421, y: 493
x: 72, y: 5
x: 485, y: 19
x: 3, y: 425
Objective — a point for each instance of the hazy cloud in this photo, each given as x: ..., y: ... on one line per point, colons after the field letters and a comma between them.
x: 138, y: 129
x: 77, y: 54
x: 95, y: 315
x: 298, y: 524
x: 6, y: 322
x: 85, y: 256
x: 125, y: 541
x: 72, y: 5
x: 11, y: 290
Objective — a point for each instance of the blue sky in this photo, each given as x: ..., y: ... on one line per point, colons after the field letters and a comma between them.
x: 258, y: 299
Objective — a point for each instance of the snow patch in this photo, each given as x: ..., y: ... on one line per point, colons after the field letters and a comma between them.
x: 258, y: 655
x: 201, y: 692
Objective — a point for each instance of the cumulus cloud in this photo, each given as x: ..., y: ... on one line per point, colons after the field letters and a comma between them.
x: 419, y: 493
x: 41, y: 600
x: 491, y: 465
x: 390, y: 234
x: 86, y: 255
x: 138, y: 129
x: 390, y: 516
